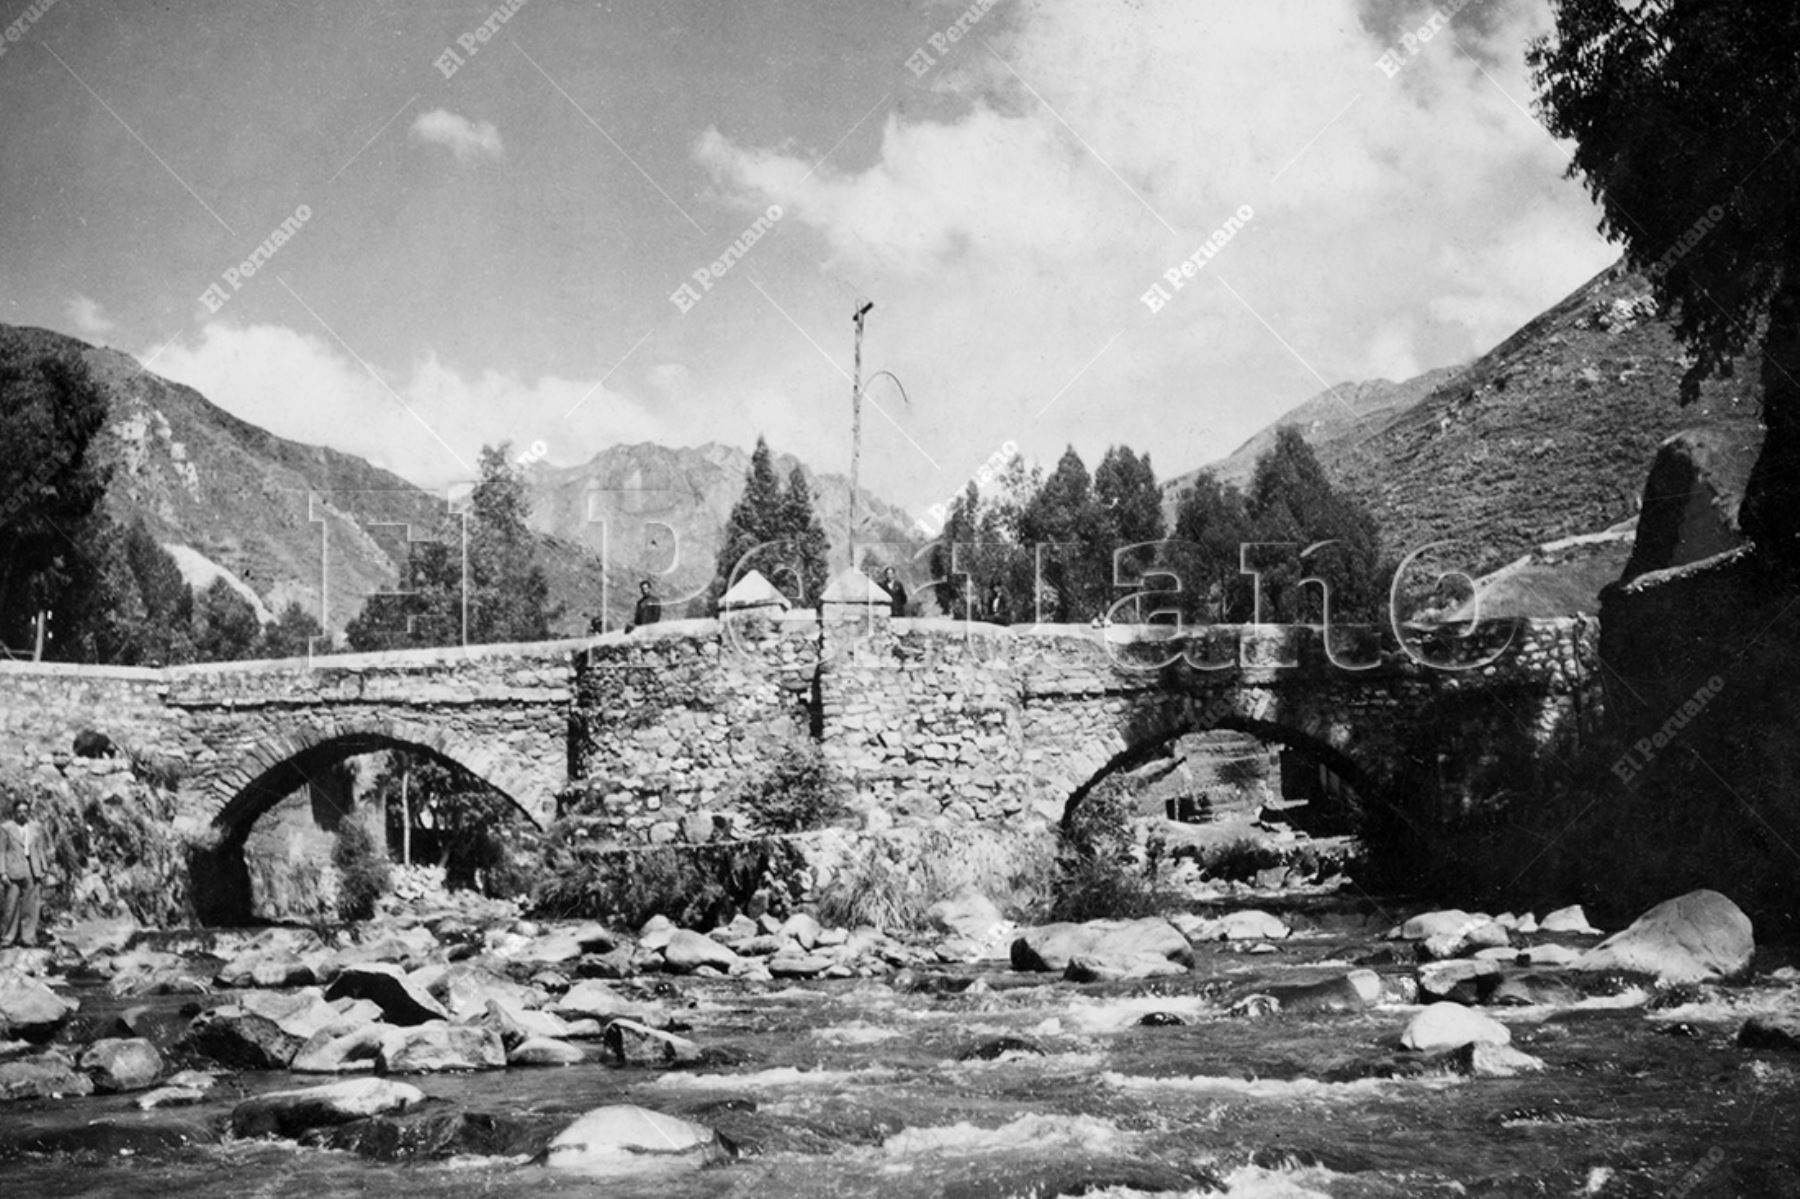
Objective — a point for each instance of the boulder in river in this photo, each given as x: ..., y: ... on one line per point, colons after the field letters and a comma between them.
x: 1483, y: 1059
x: 104, y: 934
x: 148, y: 972
x: 1450, y: 1025
x: 1771, y: 1030
x: 1461, y: 980
x: 122, y: 1064
x: 434, y: 1132
x: 1693, y: 937
x: 290, y: 1113
x: 31, y: 1011
x: 1248, y: 924
x: 1118, y: 967
x: 1568, y: 920
x: 634, y: 1044
x: 277, y: 966
x: 241, y: 1039
x: 515, y: 1025
x: 800, y: 928
x: 627, y: 1139
x: 402, y: 1001
x: 1531, y: 989
x: 687, y: 950
x: 341, y: 1053
x: 48, y: 1075
x: 437, y: 1047
x: 544, y: 1051
x: 1050, y: 947
x: 968, y: 914
x: 591, y: 999
x: 1351, y: 992
x: 465, y: 989
x: 791, y: 963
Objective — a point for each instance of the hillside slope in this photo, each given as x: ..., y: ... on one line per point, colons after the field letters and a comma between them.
x: 1347, y: 412
x: 295, y: 522
x: 1548, y: 436
x: 660, y: 512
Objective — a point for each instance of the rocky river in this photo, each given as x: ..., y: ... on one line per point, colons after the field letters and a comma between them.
x: 1328, y: 1045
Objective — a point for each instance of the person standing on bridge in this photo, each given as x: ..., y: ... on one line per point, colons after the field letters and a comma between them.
x: 24, y: 869
x: 890, y: 583
x: 997, y: 610
x: 649, y: 608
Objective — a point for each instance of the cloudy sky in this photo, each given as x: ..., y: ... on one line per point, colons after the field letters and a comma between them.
x: 487, y: 244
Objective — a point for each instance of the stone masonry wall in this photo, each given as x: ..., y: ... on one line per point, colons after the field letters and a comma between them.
x: 655, y: 731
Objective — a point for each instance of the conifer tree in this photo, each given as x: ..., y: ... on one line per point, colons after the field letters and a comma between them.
x: 775, y: 531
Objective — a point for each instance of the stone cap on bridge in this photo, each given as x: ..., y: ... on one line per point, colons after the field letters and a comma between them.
x: 753, y: 592
x: 851, y: 586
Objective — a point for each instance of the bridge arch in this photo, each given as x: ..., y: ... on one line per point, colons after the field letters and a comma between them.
x: 1307, y: 729
x: 282, y: 763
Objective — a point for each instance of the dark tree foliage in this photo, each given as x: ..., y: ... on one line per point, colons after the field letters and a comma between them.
x: 167, y: 635
x: 1292, y: 501
x: 810, y: 546
x: 457, y: 821
x: 1684, y: 118
x: 1065, y: 527
x: 291, y: 634
x: 1211, y: 523
x: 508, y: 595
x: 225, y: 625
x: 774, y: 531
x: 954, y: 585
x: 425, y: 609
x: 51, y: 485
x: 1131, y: 520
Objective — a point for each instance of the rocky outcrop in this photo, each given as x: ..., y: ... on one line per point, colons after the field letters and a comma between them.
x: 290, y: 1113
x: 1690, y: 500
x: 617, y: 1139
x: 1693, y: 937
x: 1051, y: 947
x: 1450, y: 1026
x: 31, y: 1011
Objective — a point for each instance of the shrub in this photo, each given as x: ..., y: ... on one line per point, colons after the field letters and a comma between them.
x: 363, y: 871
x: 891, y: 882
x: 696, y: 886
x: 796, y: 792
x: 1238, y: 860
x: 1099, y: 872
x: 113, y: 845
x: 157, y: 771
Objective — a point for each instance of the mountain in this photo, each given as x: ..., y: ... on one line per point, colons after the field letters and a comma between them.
x: 284, y: 521
x: 659, y: 512
x: 1345, y: 413
x: 1542, y: 441
x: 289, y: 521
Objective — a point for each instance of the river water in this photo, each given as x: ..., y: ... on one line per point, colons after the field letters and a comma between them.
x: 857, y: 1087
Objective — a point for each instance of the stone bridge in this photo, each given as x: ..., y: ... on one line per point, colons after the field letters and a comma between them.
x: 650, y: 735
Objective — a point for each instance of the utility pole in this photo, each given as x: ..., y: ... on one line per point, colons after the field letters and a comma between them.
x: 857, y: 317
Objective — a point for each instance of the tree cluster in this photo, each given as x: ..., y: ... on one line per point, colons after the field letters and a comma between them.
x: 507, y: 595
x: 1686, y: 131
x: 111, y: 592
x: 1070, y: 548
x: 774, y: 530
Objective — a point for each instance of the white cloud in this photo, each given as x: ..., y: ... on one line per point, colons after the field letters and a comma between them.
x: 426, y: 425
x: 466, y: 139
x: 1400, y: 224
x: 88, y: 317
